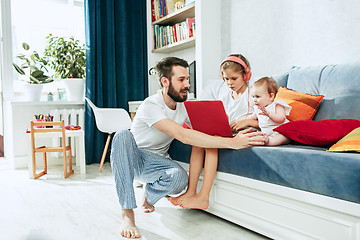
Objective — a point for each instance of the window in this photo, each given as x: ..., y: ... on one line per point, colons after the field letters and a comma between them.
x: 33, y: 20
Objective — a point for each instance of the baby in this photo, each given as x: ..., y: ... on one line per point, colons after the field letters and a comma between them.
x: 269, y: 112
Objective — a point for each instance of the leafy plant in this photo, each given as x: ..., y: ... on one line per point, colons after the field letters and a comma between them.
x: 32, y: 66
x: 66, y: 57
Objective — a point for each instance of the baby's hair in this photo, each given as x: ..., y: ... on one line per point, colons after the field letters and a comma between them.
x: 164, y: 67
x: 272, y: 86
x: 235, y: 66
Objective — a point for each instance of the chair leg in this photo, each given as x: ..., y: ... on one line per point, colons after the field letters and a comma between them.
x: 71, y: 171
x: 70, y: 160
x: 37, y: 175
x: 33, y: 164
x: 45, y: 162
x: 66, y: 173
x: 104, y: 153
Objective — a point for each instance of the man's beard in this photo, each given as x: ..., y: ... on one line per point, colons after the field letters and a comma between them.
x: 175, y: 95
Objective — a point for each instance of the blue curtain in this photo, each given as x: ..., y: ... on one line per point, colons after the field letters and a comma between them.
x: 116, y: 62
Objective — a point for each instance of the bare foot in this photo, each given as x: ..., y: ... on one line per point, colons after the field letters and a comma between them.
x: 147, y: 207
x: 128, y: 228
x: 176, y: 200
x: 195, y: 202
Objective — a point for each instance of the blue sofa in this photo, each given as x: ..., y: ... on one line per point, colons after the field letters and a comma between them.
x: 294, y: 191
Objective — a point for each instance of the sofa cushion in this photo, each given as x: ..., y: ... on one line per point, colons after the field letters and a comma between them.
x: 305, y: 79
x: 281, y: 79
x: 302, y: 167
x: 350, y: 142
x: 318, y: 133
x: 304, y: 106
x: 340, y: 84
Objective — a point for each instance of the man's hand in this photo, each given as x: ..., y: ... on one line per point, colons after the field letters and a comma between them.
x: 246, y: 138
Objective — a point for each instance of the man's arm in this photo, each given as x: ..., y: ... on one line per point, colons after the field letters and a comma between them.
x: 199, y: 139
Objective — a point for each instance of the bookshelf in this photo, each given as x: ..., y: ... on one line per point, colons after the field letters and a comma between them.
x: 205, y: 48
x: 177, y: 16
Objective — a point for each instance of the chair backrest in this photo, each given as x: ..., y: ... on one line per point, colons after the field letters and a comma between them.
x: 46, y: 127
x: 110, y: 120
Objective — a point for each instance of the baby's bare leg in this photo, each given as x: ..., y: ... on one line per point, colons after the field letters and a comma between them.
x: 277, y: 140
x: 196, y: 165
x: 201, y: 200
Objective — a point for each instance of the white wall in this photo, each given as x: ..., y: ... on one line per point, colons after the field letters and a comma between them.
x: 275, y: 35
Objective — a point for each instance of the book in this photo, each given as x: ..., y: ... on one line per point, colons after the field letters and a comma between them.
x: 157, y: 9
x: 189, y: 23
x: 152, y: 11
x: 161, y: 9
x: 165, y: 7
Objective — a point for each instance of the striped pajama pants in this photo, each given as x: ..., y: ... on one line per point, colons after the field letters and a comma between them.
x: 162, y: 175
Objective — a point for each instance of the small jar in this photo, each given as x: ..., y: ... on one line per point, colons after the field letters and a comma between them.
x: 50, y: 97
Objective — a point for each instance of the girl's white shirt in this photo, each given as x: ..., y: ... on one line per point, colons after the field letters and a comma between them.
x: 240, y: 108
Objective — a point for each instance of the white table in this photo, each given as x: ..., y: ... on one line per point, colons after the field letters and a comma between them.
x: 80, y: 147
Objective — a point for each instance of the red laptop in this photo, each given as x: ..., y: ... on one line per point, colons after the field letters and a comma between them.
x: 209, y: 117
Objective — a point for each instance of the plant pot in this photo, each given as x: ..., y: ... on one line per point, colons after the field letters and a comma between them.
x: 33, y: 92
x: 75, y: 89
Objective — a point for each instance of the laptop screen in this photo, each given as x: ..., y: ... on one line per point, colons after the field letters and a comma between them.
x: 208, y: 117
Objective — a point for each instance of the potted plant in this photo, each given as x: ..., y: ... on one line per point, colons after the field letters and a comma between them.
x: 32, y: 67
x: 67, y: 58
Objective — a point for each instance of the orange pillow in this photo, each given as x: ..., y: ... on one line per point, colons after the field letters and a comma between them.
x: 304, y: 106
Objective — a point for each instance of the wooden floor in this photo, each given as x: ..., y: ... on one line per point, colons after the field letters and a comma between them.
x: 53, y: 208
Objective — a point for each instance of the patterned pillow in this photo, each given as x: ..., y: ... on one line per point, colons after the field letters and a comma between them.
x: 350, y: 142
x: 304, y: 106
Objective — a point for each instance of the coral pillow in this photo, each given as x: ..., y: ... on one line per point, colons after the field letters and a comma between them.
x: 350, y: 142
x: 304, y: 106
x: 318, y: 133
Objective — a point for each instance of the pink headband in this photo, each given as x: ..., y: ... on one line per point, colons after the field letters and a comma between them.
x: 242, y: 63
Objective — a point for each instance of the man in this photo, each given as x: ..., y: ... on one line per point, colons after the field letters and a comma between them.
x: 142, y: 153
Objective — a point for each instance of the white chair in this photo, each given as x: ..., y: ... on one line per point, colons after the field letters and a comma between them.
x: 109, y: 120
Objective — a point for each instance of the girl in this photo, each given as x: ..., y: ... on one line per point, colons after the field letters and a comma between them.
x: 235, y: 71
x: 269, y: 112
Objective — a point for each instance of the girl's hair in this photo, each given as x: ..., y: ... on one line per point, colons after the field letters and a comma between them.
x: 234, y: 65
x: 164, y: 67
x: 271, y: 85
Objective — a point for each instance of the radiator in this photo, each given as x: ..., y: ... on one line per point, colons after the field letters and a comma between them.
x: 71, y: 117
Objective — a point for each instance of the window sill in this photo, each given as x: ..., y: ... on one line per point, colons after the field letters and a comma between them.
x: 43, y: 101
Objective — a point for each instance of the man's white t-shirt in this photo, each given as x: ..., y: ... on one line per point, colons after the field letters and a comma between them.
x: 240, y: 108
x: 152, y: 110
